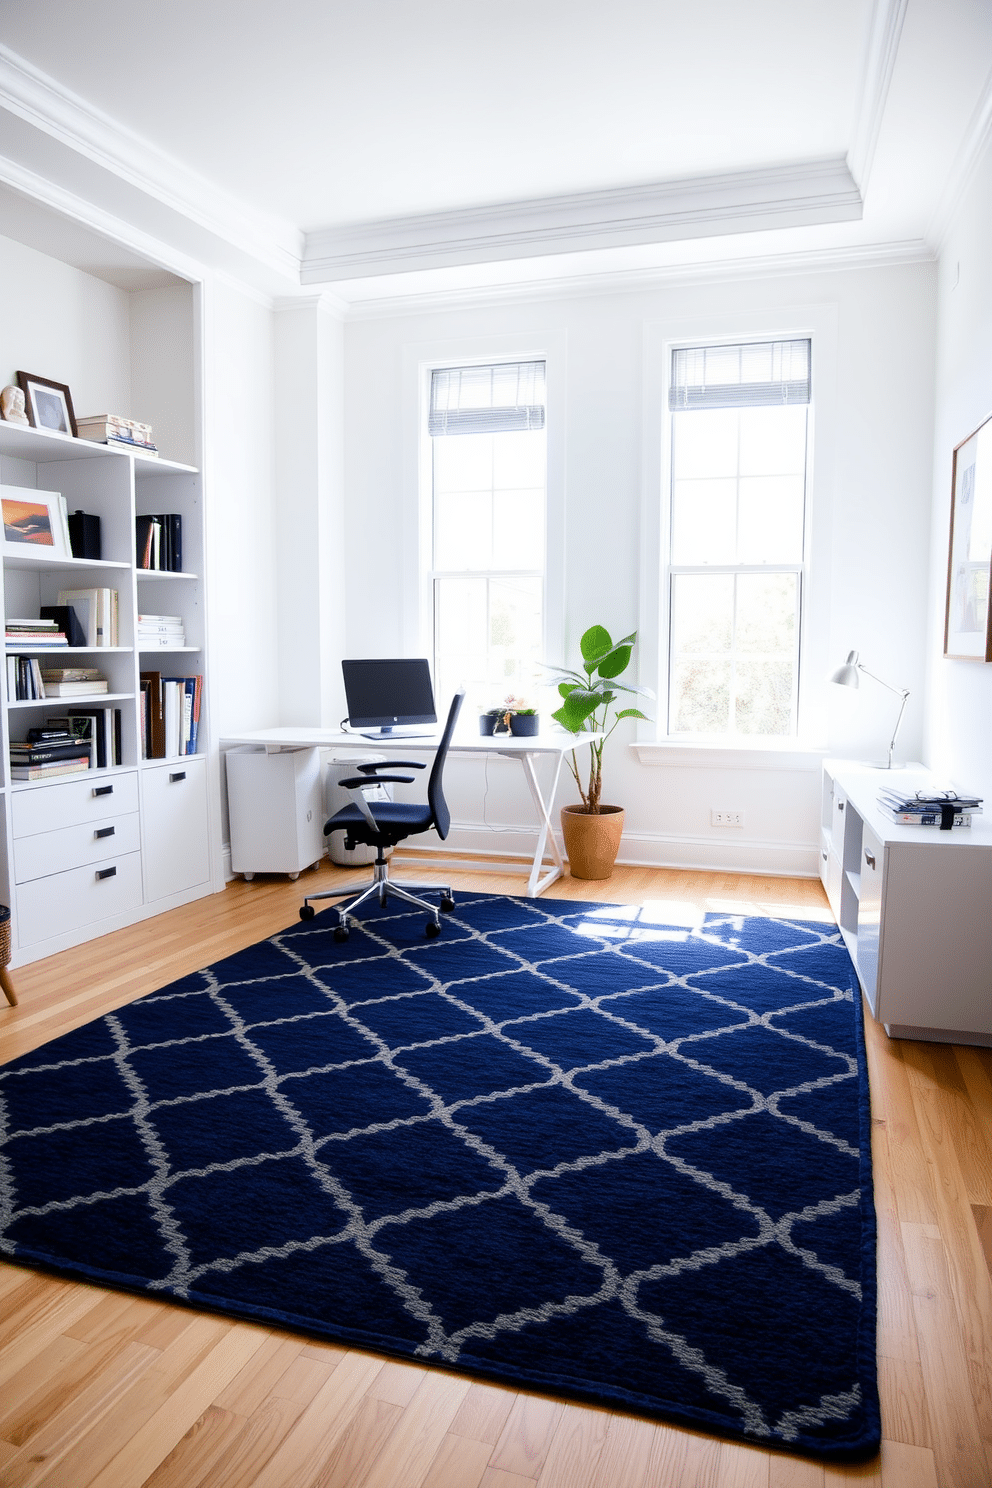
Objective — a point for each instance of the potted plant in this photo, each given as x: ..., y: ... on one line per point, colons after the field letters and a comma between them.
x: 592, y: 830
x: 525, y: 721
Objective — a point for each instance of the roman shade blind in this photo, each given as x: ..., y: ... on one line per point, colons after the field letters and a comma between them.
x: 752, y: 375
x: 497, y: 399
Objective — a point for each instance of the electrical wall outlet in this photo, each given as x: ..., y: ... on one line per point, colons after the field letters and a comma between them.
x: 726, y: 818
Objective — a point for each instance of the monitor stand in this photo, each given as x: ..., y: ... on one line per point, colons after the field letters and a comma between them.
x: 389, y: 732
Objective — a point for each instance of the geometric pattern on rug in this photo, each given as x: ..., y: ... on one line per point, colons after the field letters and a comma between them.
x: 578, y: 1148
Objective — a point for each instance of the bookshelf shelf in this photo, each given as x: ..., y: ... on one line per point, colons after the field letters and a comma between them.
x: 164, y: 573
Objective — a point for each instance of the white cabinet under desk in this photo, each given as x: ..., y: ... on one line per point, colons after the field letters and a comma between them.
x: 914, y: 905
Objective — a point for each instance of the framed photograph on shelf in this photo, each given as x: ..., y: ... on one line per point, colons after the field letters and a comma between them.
x: 967, y: 618
x: 34, y: 521
x: 49, y: 404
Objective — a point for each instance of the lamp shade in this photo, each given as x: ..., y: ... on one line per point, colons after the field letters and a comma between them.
x: 847, y: 675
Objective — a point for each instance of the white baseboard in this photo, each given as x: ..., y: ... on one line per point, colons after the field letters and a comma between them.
x: 637, y: 849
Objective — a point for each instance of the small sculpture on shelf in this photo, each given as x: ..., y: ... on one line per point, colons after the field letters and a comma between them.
x: 12, y: 405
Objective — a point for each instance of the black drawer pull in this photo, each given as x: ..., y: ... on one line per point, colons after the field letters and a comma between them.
x: 106, y: 872
x: 179, y: 775
x: 840, y: 805
x: 104, y: 831
x: 869, y: 858
x: 103, y: 790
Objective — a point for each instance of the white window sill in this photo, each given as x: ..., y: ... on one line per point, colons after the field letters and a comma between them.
x: 775, y: 754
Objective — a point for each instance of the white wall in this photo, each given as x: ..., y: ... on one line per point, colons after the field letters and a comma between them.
x: 239, y: 396
x: 871, y: 506
x: 960, y: 723
x: 65, y: 325
x: 308, y: 496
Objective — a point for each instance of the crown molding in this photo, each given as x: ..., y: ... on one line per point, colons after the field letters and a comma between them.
x: 46, y: 105
x: 324, y: 301
x: 798, y: 194
x: 884, y: 36
x: 632, y: 281
x: 973, y: 146
x: 95, y: 219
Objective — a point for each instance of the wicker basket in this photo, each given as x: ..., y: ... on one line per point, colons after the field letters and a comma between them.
x: 4, y: 935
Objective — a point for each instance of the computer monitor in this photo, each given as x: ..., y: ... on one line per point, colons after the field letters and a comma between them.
x: 387, y: 694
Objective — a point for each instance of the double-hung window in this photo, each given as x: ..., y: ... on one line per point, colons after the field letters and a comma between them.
x: 738, y: 540
x: 488, y: 527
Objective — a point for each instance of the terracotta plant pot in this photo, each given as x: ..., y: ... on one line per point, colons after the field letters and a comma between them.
x: 591, y: 842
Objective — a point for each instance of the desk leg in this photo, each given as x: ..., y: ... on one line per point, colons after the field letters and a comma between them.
x: 536, y: 884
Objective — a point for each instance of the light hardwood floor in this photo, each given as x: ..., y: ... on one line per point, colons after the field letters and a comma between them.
x: 103, y: 1389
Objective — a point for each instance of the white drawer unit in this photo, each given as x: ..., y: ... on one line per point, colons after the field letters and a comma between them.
x: 46, y: 853
x: 176, y: 848
x: 69, y: 803
x: 913, y: 905
x: 62, y: 903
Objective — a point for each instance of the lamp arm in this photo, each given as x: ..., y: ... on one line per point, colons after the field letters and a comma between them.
x: 902, y: 692
x: 902, y: 709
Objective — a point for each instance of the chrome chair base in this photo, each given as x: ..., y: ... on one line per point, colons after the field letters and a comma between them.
x: 382, y: 887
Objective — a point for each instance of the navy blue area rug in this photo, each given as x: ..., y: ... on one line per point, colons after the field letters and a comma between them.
x: 571, y: 1147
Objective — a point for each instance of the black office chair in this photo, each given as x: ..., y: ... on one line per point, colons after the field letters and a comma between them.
x: 382, y: 824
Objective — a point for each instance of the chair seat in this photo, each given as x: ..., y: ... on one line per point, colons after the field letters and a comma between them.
x: 412, y: 816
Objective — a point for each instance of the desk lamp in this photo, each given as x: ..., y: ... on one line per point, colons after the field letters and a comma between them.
x: 847, y: 676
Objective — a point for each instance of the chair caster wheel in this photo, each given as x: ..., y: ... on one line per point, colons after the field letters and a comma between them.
x: 307, y: 911
x: 340, y: 932
x: 447, y: 904
x: 293, y: 877
x: 433, y: 929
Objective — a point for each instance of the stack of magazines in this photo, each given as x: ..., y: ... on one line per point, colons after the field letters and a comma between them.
x: 933, y: 808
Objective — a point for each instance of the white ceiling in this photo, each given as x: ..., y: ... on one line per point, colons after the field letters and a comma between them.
x: 386, y: 146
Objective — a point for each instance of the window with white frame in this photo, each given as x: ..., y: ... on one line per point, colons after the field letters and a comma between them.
x: 488, y: 522
x: 738, y: 544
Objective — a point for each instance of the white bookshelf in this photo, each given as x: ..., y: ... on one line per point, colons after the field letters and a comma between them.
x: 88, y: 853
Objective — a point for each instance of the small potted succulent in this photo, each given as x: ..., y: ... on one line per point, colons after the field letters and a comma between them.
x: 512, y: 717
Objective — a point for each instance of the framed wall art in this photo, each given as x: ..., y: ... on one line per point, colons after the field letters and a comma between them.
x: 967, y: 619
x: 34, y: 521
x: 49, y: 404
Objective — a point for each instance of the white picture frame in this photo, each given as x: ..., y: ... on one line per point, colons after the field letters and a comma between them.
x: 968, y: 614
x: 34, y: 522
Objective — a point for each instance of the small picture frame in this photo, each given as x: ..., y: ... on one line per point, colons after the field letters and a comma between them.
x: 49, y: 404
x: 33, y: 522
x: 967, y: 615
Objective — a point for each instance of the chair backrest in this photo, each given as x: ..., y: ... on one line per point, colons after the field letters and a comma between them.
x: 435, y: 795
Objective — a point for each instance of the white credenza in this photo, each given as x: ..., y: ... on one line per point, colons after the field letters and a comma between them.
x: 914, y: 905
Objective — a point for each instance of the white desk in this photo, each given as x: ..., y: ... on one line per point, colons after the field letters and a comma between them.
x: 552, y: 744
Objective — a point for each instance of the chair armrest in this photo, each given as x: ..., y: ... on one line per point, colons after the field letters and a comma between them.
x: 365, y: 782
x: 391, y: 765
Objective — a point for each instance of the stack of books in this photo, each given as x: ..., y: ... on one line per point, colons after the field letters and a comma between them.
x: 37, y: 634
x: 113, y: 428
x: 47, y: 753
x: 159, y: 541
x: 928, y: 808
x: 157, y: 631
x: 24, y: 682
x: 169, y: 715
x: 72, y: 681
x: 98, y: 731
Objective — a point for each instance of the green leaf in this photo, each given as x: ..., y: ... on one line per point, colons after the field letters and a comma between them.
x: 615, y: 662
x: 594, y: 644
x: 576, y: 708
x: 632, y: 713
x: 564, y: 688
